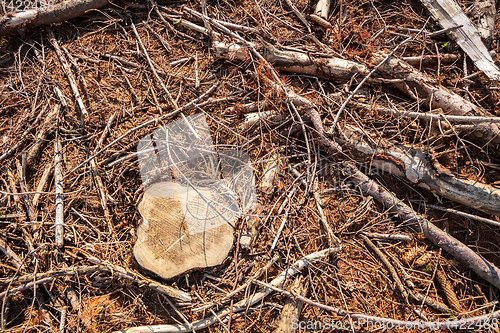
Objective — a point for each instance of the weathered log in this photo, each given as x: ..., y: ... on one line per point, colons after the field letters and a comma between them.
x: 460, y: 251
x: 449, y: 14
x: 413, y: 164
x: 413, y: 83
x: 63, y: 11
x: 292, y: 61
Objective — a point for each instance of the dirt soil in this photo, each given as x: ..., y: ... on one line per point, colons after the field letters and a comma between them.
x: 120, y: 92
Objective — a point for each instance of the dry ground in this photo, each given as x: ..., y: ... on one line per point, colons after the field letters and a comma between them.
x: 353, y: 279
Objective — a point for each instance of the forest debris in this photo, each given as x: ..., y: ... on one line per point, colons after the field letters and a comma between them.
x: 412, y: 254
x: 474, y: 261
x: 271, y: 170
x: 427, y: 115
x: 14, y: 258
x: 321, y: 21
x: 58, y: 180
x: 24, y: 136
x: 41, y: 136
x: 429, y: 59
x: 413, y: 164
x: 178, y: 295
x: 71, y: 78
x: 323, y: 8
x: 485, y: 12
x: 25, y: 286
x: 415, y: 83
x: 241, y: 305
x: 424, y: 259
x: 13, y: 22
x: 292, y: 61
x: 292, y: 308
x: 449, y: 15
x: 398, y: 237
x: 153, y: 69
x: 469, y: 216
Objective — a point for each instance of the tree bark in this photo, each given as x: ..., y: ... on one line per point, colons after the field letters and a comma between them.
x: 11, y: 23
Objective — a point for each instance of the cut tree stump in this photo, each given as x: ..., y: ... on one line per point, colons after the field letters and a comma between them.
x: 168, y: 240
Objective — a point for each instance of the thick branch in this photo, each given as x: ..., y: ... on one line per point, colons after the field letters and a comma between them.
x: 460, y: 251
x: 419, y: 85
x: 293, y: 61
x: 60, y: 12
x: 413, y: 164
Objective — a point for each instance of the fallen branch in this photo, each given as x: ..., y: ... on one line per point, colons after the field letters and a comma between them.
x: 41, y: 136
x: 292, y: 61
x: 427, y: 116
x: 71, y: 78
x: 429, y: 59
x: 25, y: 286
x: 58, y: 180
x: 60, y: 12
x: 413, y: 164
x: 178, y: 295
x: 239, y: 306
x: 292, y: 308
x: 460, y: 251
x: 421, y: 86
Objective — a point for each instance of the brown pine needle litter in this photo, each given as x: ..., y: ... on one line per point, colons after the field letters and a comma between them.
x: 305, y: 95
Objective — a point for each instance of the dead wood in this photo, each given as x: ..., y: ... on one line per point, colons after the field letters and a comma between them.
x: 66, y: 10
x: 460, y: 251
x: 485, y: 12
x: 415, y: 83
x: 241, y: 305
x: 71, y: 78
x: 58, y: 180
x: 292, y: 308
x: 415, y: 165
x: 176, y: 294
x: 432, y: 59
x: 293, y: 61
x: 167, y: 244
x: 323, y: 8
x: 449, y: 15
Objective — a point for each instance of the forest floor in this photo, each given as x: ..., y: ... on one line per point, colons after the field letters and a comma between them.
x: 93, y: 283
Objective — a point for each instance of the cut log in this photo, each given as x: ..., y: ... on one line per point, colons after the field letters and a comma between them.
x: 413, y: 83
x: 169, y: 240
x: 60, y: 12
x: 449, y: 15
x: 414, y: 165
x: 293, y: 61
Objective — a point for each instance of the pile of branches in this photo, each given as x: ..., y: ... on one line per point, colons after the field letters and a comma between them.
x: 373, y: 130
